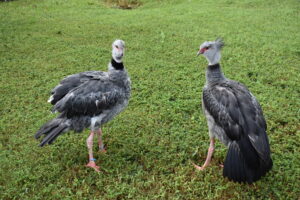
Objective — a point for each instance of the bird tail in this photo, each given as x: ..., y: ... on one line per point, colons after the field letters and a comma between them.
x: 243, y: 164
x: 52, y: 129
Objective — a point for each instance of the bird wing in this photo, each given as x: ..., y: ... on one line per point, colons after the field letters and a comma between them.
x: 256, y: 126
x: 71, y: 82
x: 237, y: 111
x: 90, y: 98
x: 222, y: 104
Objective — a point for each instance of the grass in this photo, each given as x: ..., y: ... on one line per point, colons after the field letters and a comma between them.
x: 152, y: 143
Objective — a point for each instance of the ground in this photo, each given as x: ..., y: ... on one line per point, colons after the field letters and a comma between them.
x: 152, y: 144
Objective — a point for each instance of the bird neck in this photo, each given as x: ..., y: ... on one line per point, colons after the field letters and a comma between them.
x: 117, y: 65
x: 213, y: 57
x: 214, y: 73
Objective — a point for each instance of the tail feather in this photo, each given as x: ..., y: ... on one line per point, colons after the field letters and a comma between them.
x: 234, y: 166
x: 45, y: 129
x: 52, y: 130
x: 238, y: 169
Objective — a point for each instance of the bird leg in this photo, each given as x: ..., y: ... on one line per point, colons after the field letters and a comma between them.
x: 100, y: 142
x: 92, y: 160
x: 209, y: 155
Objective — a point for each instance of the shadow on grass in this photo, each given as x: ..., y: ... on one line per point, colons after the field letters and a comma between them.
x: 124, y: 4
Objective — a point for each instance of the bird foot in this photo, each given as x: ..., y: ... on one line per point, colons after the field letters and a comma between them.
x: 102, y: 150
x: 221, y: 165
x: 93, y: 165
x: 198, y: 167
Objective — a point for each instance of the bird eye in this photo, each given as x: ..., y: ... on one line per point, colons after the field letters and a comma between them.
x: 116, y: 46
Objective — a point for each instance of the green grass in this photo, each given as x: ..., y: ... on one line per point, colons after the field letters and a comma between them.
x: 152, y: 143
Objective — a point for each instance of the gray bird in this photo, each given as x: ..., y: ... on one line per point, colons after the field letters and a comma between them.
x: 234, y: 117
x: 89, y: 100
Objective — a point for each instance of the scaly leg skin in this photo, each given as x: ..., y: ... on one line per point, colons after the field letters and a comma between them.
x: 209, y: 155
x: 100, y: 142
x: 89, y: 143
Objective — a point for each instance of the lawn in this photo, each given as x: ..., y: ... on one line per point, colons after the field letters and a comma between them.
x: 152, y: 144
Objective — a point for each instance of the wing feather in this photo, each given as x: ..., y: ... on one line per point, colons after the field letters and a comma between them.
x: 221, y: 103
x: 90, y: 98
x: 71, y: 82
x: 237, y: 111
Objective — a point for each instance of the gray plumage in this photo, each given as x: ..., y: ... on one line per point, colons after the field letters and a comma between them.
x: 87, y: 100
x: 235, y: 117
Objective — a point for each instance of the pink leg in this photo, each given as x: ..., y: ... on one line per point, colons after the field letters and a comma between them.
x: 209, y: 155
x: 92, y: 160
x: 100, y: 142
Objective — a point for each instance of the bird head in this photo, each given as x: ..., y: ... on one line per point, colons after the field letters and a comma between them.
x: 211, y: 50
x: 118, y: 50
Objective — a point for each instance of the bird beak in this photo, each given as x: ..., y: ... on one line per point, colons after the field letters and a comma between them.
x: 199, y: 52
